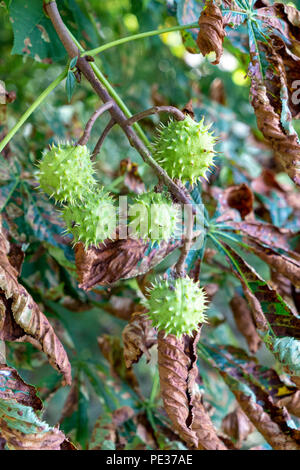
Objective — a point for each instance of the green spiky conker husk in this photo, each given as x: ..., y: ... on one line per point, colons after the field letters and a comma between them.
x: 153, y: 216
x: 91, y: 221
x: 66, y: 172
x: 185, y: 149
x: 176, y: 306
x: 287, y: 350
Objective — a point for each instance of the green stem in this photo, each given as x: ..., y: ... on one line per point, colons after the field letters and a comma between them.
x: 32, y: 108
x: 146, y: 34
x: 155, y: 387
x: 113, y: 94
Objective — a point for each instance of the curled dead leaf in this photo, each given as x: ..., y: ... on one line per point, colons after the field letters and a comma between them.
x: 237, y: 426
x: 285, y: 144
x: 211, y: 34
x: 244, y: 322
x: 177, y: 362
x: 117, y: 259
x: 138, y: 337
x: 235, y: 198
x: 22, y: 320
x: 204, y: 428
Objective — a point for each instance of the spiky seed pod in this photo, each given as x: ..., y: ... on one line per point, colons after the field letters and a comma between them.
x: 185, y: 149
x: 176, y: 306
x: 287, y: 349
x: 66, y: 172
x: 152, y: 216
x: 93, y: 220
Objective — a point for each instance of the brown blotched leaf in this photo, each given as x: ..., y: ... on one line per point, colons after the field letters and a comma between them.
x: 268, y: 234
x: 288, y: 267
x: 268, y: 308
x: 268, y: 111
x: 21, y: 318
x: 237, y: 426
x: 20, y: 426
x: 269, y: 427
x: 138, y: 337
x: 256, y: 389
x: 117, y: 259
x: 244, y: 322
x: 284, y: 22
x: 12, y: 386
x: 211, y: 34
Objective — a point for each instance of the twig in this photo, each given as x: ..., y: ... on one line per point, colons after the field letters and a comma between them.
x: 98, y: 145
x: 116, y: 113
x: 179, y: 269
x: 89, y: 126
x: 179, y: 115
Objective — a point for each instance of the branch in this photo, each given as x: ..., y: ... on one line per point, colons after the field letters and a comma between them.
x: 88, y: 128
x: 179, y: 115
x: 116, y: 113
x: 98, y: 145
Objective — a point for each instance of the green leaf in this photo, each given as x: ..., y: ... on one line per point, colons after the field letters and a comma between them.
x: 20, y: 424
x: 73, y: 62
x: 188, y: 11
x: 70, y: 84
x: 34, y: 34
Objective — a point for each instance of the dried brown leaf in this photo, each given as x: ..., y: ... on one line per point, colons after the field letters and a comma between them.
x: 21, y: 318
x: 271, y: 429
x: 292, y: 403
x: 268, y: 115
x: 117, y: 259
x: 244, y: 322
x: 288, y: 267
x: 203, y: 427
x: 177, y: 372
x: 237, y: 426
x: 211, y: 34
x: 177, y: 362
x: 138, y: 337
x: 235, y: 198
